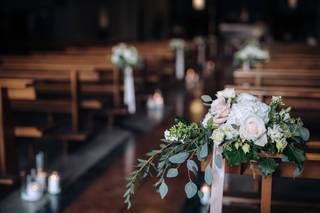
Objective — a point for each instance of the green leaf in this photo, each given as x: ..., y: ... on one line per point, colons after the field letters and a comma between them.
x: 218, y: 161
x: 267, y: 165
x: 173, y: 172
x: 206, y: 98
x: 204, y: 151
x: 295, y: 154
x: 235, y: 157
x: 190, y: 189
x: 179, y: 158
x: 192, y: 166
x: 208, y: 175
x: 163, y: 190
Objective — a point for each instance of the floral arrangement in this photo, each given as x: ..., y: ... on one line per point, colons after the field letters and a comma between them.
x: 123, y: 56
x: 245, y: 129
x: 252, y: 54
x: 177, y: 43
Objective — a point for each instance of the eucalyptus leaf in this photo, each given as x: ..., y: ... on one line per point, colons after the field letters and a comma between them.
x: 173, y: 172
x: 304, y: 133
x: 200, y: 194
x: 297, y: 171
x: 190, y: 189
x: 204, y: 151
x: 206, y: 98
x: 179, y: 158
x: 163, y: 190
x: 208, y: 175
x: 218, y: 161
x: 192, y: 166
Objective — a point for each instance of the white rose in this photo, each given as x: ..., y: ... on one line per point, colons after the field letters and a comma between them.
x: 245, y: 97
x: 217, y: 136
x: 253, y: 128
x: 240, y: 110
x: 220, y: 110
x: 227, y: 93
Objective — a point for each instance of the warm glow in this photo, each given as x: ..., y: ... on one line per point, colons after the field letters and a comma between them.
x: 205, y: 188
x: 199, y: 4
x: 196, y: 110
x: 293, y: 3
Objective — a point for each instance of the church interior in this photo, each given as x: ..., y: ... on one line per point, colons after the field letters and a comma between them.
x: 162, y: 106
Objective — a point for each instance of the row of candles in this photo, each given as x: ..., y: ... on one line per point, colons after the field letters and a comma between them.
x: 35, y: 184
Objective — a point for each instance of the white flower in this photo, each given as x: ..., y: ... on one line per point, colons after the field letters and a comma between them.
x: 227, y: 93
x: 220, y: 110
x: 241, y: 109
x: 275, y: 133
x: 245, y: 97
x: 276, y: 98
x: 229, y: 131
x: 254, y: 129
x: 217, y: 136
x: 205, y: 121
x: 169, y: 137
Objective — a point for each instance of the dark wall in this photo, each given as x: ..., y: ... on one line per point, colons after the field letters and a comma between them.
x: 63, y: 21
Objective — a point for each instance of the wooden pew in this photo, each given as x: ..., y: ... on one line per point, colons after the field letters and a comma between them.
x: 262, y: 78
x: 11, y: 89
x: 72, y: 105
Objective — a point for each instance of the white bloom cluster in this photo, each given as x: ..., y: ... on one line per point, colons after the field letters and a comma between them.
x: 169, y: 137
x: 123, y: 55
x: 177, y: 43
x: 275, y: 133
x: 243, y: 115
x: 217, y: 136
x: 252, y: 52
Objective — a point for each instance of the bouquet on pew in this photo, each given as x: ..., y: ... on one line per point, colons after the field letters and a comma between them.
x: 251, y: 54
x: 238, y: 128
x: 177, y: 43
x: 123, y: 56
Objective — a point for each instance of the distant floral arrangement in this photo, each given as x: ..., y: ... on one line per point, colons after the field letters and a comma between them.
x: 123, y: 55
x: 252, y: 54
x: 177, y: 43
x: 244, y: 129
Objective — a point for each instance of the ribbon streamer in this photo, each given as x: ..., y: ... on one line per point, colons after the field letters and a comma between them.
x: 179, y: 63
x: 129, y: 92
x: 217, y: 183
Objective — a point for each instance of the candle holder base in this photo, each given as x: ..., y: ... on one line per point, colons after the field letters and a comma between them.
x: 26, y: 197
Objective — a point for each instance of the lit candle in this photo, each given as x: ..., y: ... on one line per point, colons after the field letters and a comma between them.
x: 41, y: 179
x: 205, y: 189
x: 54, y: 183
x: 158, y: 99
x: 33, y: 192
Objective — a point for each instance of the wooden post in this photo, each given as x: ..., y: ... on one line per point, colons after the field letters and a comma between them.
x: 266, y: 192
x: 8, y: 155
x: 74, y: 84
